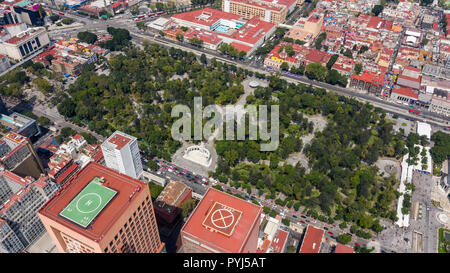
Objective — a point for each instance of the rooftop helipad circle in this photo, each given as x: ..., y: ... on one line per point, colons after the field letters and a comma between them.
x: 89, y: 202
x: 222, y: 218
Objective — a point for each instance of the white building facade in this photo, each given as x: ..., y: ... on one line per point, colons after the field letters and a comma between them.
x: 121, y: 153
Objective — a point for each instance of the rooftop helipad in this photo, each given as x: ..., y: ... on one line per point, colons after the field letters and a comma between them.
x: 222, y: 219
x: 88, y: 203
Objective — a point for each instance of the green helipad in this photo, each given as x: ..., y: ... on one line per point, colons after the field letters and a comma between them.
x: 88, y: 203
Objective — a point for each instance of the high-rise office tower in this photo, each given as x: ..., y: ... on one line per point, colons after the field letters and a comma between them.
x: 121, y: 153
x: 102, y: 211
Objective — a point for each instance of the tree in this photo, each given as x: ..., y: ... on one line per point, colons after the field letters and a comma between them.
x: 152, y: 165
x: 54, y: 18
x: 43, y: 85
x: 43, y: 121
x: 363, y: 49
x: 187, y: 207
x: 49, y: 58
x: 180, y: 37
x: 155, y: 190
x: 366, y: 221
x: 348, y: 53
x: 377, y: 9
x: 344, y: 238
x: 333, y: 77
x: 316, y: 71
x: 441, y: 149
x: 141, y: 25
x: 284, y: 66
x: 318, y: 44
x: 67, y: 108
x: 87, y: 37
x: 377, y: 227
x: 67, y: 21
x: 203, y: 59
x: 358, y: 68
x: 331, y: 61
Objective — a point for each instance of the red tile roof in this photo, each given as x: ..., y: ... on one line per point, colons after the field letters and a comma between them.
x: 119, y: 140
x: 252, y: 31
x: 67, y: 173
x: 312, y: 240
x: 405, y: 91
x: 279, y: 241
x: 17, y: 39
x: 370, y: 77
x: 241, y: 47
x: 211, y: 16
x: 340, y: 248
x: 77, y: 136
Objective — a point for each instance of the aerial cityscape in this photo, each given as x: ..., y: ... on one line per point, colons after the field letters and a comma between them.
x: 225, y: 126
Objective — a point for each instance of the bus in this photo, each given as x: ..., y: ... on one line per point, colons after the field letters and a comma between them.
x: 412, y: 111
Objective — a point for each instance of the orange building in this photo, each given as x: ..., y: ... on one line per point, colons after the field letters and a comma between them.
x: 222, y: 223
x: 100, y: 210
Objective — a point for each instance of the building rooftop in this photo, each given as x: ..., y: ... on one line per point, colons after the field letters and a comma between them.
x: 206, y: 16
x: 279, y: 241
x: 119, y: 140
x: 222, y: 220
x: 252, y: 31
x: 124, y: 188
x: 340, y: 248
x: 171, y: 196
x: 312, y: 240
x: 405, y: 91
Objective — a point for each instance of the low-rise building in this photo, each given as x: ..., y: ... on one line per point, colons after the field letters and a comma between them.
x: 168, y: 202
x: 312, y: 240
x: 404, y: 95
x: 306, y: 29
x: 368, y: 81
x: 440, y: 102
x: 25, y: 43
x: 211, y: 26
x: 344, y: 65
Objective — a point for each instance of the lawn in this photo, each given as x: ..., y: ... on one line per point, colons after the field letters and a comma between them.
x: 444, y: 242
